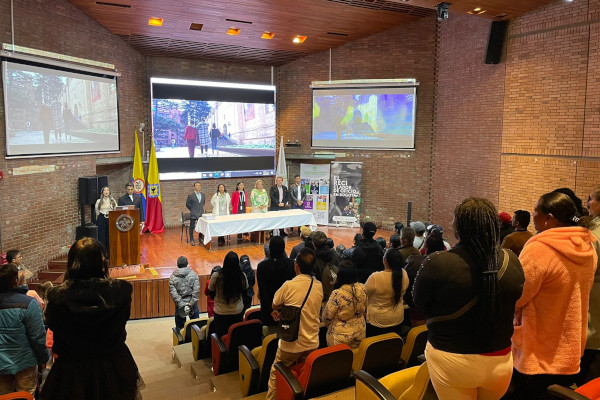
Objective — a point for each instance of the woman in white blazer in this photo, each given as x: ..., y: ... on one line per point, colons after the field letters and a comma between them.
x: 221, y: 203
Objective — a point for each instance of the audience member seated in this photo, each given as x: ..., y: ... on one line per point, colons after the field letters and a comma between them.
x: 304, y: 235
x: 184, y: 287
x: 22, y: 335
x: 506, y: 227
x: 339, y: 249
x: 385, y: 308
x: 88, y: 314
x: 368, y: 255
x: 228, y: 286
x: 420, y: 229
x: 551, y: 315
x: 381, y: 242
x: 15, y: 257
x: 344, y: 313
x: 394, y: 241
x: 468, y: 295
x: 348, y: 252
x: 326, y: 263
x: 330, y: 243
x: 516, y: 240
x: 270, y: 275
x: 407, y: 237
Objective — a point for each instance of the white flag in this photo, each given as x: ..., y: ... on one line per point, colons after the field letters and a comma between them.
x: 281, y: 168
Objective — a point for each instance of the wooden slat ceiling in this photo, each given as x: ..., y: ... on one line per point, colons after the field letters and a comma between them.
x: 326, y: 23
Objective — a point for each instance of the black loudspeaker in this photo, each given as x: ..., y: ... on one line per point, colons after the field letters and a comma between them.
x: 495, y: 42
x: 90, y: 187
x: 86, y: 231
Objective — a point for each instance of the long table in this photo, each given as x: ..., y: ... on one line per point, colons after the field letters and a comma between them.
x: 224, y: 225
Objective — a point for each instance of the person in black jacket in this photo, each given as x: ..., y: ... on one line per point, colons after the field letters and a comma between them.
x: 326, y: 263
x: 195, y: 203
x: 279, y: 195
x: 247, y: 270
x: 270, y: 274
x: 368, y: 255
x: 132, y: 199
x: 468, y: 295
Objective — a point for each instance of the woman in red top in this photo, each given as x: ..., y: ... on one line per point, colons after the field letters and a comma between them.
x: 191, y: 136
x: 239, y: 201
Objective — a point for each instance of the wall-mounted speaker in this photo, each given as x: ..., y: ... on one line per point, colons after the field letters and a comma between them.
x: 495, y: 42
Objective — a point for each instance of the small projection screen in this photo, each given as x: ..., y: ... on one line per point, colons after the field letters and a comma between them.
x: 60, y: 111
x: 375, y: 114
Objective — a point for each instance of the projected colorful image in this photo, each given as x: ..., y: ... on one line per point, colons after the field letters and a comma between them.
x: 59, y: 112
x: 375, y: 120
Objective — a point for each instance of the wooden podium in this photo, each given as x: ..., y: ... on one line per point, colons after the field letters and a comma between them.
x: 124, y: 237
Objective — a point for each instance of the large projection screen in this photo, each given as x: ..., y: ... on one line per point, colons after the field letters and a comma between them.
x: 56, y: 111
x: 370, y: 116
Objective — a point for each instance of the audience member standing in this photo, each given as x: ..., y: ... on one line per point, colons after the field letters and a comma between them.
x: 22, y: 335
x: 250, y: 278
x: 304, y: 236
x: 468, y: 295
x: 407, y: 238
x: 88, y: 314
x: 104, y: 205
x: 344, y: 313
x: 368, y: 255
x: 195, y: 203
x: 228, y: 286
x: 326, y: 263
x: 293, y: 293
x: 506, y: 226
x: 184, y: 286
x: 271, y: 273
x: 551, y: 315
x: 516, y: 240
x: 385, y: 308
x: 420, y: 229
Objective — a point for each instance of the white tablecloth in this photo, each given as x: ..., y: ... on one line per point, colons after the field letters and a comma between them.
x: 253, y: 222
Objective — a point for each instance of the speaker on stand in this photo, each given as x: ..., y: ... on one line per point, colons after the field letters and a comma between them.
x: 90, y: 188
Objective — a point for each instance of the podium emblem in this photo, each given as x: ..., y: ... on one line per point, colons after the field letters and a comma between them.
x: 124, y: 223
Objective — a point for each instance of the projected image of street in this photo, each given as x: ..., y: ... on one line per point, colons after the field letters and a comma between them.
x: 211, y: 129
x: 369, y: 120
x: 52, y: 111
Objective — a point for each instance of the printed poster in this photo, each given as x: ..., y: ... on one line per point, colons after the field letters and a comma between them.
x: 345, y: 198
x: 315, y: 178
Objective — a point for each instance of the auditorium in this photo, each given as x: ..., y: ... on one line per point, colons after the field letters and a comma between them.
x: 496, y: 104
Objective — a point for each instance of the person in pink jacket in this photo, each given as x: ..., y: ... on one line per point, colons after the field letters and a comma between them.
x: 551, y: 315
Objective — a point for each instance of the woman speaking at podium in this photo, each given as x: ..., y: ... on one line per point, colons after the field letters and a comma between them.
x: 104, y: 205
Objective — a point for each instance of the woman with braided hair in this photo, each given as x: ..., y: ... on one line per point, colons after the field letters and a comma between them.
x: 468, y: 295
x: 551, y: 316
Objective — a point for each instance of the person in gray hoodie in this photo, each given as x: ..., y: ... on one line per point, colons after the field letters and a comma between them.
x: 185, y: 291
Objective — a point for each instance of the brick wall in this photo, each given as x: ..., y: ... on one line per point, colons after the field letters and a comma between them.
x: 39, y: 212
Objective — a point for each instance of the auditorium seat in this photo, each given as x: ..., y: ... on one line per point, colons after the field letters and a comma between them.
x: 17, y: 396
x: 201, y: 347
x: 378, y: 355
x: 407, y: 384
x: 255, y: 366
x: 252, y: 313
x: 225, y: 349
x: 589, y: 391
x: 322, y: 337
x: 325, y: 371
x: 414, y: 347
x: 185, y: 334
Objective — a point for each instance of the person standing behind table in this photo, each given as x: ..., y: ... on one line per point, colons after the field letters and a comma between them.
x: 259, y: 198
x: 184, y: 287
x: 103, y: 206
x: 22, y: 335
x: 88, y: 314
x: 292, y: 293
x: 551, y: 315
x: 367, y: 257
x: 228, y: 285
x: 239, y: 201
x: 297, y: 195
x: 516, y: 240
x: 131, y: 199
x: 271, y: 273
x: 279, y: 195
x: 191, y: 137
x: 221, y: 202
x: 468, y: 295
x: 214, y: 136
x: 195, y: 204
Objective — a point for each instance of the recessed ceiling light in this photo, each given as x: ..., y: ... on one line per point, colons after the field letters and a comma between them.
x: 196, y: 27
x: 267, y: 35
x: 233, y: 31
x: 155, y: 21
x: 476, y: 11
x: 299, y: 39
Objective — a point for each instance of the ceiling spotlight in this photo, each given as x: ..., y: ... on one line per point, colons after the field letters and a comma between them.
x: 233, y: 31
x: 299, y: 39
x: 155, y: 21
x: 267, y: 35
x: 476, y: 11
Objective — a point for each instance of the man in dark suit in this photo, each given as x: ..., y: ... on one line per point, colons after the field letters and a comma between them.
x: 297, y: 195
x: 132, y: 199
x: 279, y: 195
x: 195, y: 203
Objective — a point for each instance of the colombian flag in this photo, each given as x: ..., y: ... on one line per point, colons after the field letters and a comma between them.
x: 154, y: 216
x: 139, y: 183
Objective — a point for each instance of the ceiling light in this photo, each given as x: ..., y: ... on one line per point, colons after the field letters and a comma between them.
x: 155, y: 21
x: 476, y: 11
x: 267, y: 35
x: 299, y: 39
x: 233, y: 31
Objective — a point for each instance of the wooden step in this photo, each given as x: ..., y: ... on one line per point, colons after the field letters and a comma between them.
x: 60, y: 265
x: 49, y: 275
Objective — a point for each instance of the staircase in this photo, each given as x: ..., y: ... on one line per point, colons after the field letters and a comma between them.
x: 55, y: 273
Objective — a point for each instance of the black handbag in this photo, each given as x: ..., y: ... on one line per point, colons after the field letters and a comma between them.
x: 289, y: 319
